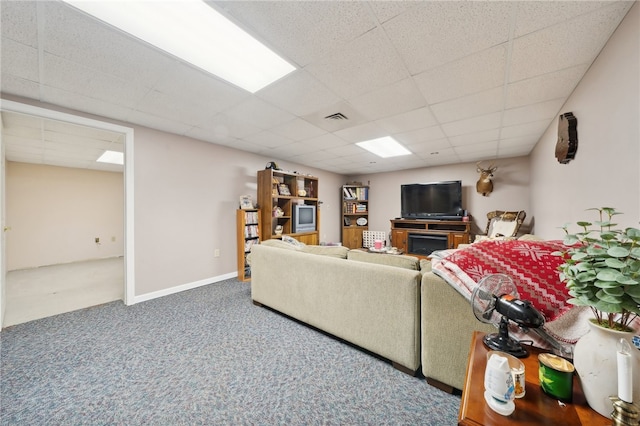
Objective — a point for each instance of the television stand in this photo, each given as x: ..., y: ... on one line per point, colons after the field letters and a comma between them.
x: 420, y: 237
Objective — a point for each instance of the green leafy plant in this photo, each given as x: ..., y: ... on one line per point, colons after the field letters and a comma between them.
x: 602, y: 269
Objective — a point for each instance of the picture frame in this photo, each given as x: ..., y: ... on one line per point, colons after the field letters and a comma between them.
x: 245, y: 202
x: 283, y: 189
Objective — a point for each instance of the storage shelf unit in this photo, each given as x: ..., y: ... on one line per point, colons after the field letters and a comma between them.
x: 248, y: 234
x: 420, y: 237
x: 281, y: 190
x: 355, y: 214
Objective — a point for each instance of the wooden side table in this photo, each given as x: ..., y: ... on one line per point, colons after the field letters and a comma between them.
x: 535, y: 408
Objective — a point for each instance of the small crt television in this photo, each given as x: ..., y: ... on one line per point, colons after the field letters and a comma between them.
x: 304, y: 218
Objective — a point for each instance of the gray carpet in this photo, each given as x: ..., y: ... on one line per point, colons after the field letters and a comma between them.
x: 204, y: 356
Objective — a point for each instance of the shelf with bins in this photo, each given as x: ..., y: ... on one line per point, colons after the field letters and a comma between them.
x: 355, y: 214
x: 248, y: 234
x: 279, y: 192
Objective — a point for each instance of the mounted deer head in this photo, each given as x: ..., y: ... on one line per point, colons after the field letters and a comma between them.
x: 484, y: 185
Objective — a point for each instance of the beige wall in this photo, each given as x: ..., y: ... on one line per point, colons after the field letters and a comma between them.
x: 186, y: 194
x: 605, y: 171
x: 55, y: 214
x: 511, y: 190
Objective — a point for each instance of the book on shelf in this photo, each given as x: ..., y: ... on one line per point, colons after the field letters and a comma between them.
x: 251, y: 217
x: 353, y: 207
x: 250, y: 243
x: 251, y: 231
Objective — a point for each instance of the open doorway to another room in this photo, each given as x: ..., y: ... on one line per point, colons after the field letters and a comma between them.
x: 66, y: 214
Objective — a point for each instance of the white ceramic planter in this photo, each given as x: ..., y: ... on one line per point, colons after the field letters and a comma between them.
x: 595, y: 361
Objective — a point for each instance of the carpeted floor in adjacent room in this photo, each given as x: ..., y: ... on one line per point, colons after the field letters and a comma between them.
x: 204, y: 356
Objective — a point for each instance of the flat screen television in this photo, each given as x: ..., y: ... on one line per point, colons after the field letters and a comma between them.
x: 304, y: 218
x: 434, y: 200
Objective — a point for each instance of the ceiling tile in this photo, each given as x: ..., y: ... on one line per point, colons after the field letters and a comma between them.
x: 545, y: 87
x: 475, y: 73
x: 85, y: 103
x: 396, y: 98
x: 472, y: 125
x: 429, y: 147
x: 259, y: 113
x: 367, y: 63
x: 19, y: 22
x: 434, y: 33
x: 225, y: 126
x: 535, y: 128
x: 25, y: 64
x: 328, y: 140
x: 407, y: 121
x: 540, y: 111
x: 469, y: 106
x: 362, y: 132
x: 534, y: 15
x: 269, y: 140
x: 420, y: 135
x: 74, y: 78
x: 298, y: 129
x: 475, y: 137
x: 75, y: 37
x: 302, y: 31
x: 563, y: 45
x: 299, y: 93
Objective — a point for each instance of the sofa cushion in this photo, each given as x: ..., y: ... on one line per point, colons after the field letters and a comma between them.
x: 280, y: 244
x: 399, y: 261
x: 333, y: 251
x: 425, y: 265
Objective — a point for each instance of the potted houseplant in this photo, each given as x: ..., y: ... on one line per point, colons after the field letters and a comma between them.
x: 602, y: 271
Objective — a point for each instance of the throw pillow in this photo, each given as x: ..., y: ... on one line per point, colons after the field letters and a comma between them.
x: 290, y: 240
x: 279, y: 244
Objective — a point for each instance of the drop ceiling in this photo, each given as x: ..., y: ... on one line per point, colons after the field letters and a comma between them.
x: 454, y: 82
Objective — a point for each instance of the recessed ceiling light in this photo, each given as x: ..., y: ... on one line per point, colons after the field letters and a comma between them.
x: 112, y: 157
x: 195, y: 32
x: 384, y: 147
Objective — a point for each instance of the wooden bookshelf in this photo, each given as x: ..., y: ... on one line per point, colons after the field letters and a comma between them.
x: 355, y: 214
x: 248, y: 234
x: 280, y: 190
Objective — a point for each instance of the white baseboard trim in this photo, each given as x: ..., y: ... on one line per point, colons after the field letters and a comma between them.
x: 183, y: 287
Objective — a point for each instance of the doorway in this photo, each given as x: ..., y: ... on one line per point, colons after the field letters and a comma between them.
x: 127, y: 290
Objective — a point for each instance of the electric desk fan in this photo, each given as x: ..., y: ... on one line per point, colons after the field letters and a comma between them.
x: 496, y: 301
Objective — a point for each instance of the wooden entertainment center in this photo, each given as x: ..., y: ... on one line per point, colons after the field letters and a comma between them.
x: 417, y: 237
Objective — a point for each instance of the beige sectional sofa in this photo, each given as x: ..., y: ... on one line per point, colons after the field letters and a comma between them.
x: 350, y: 294
x: 382, y: 303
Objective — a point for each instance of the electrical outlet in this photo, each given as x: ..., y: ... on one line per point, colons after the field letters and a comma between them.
x: 216, y: 253
x: 97, y: 240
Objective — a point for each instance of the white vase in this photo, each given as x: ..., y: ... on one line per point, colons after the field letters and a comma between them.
x: 594, y: 358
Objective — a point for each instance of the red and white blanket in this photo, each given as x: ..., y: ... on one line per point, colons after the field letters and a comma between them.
x: 534, y: 271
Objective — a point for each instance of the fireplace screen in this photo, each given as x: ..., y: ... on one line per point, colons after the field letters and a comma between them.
x: 424, y: 245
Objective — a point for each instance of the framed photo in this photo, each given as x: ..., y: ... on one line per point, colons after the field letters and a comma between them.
x: 245, y: 202
x: 283, y: 189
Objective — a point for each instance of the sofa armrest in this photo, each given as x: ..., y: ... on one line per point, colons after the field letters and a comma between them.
x: 446, y: 330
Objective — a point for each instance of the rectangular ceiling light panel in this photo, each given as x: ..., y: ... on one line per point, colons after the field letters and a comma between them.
x: 111, y: 157
x: 195, y: 32
x: 384, y: 147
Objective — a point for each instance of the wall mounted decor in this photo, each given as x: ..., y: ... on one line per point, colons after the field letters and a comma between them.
x: 567, y: 144
x: 484, y: 185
